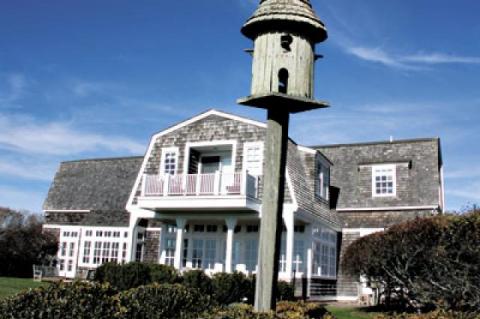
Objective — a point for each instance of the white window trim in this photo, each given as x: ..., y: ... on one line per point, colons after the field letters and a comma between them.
x: 392, y: 167
x: 190, y: 145
x: 166, y: 150
x: 262, y: 151
x: 320, y: 182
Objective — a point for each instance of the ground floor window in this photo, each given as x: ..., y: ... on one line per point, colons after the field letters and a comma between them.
x: 170, y: 251
x: 325, y: 253
x: 251, y: 254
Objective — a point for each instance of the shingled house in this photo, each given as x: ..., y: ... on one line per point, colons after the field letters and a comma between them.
x: 194, y: 201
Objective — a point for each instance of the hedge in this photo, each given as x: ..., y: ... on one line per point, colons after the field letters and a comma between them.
x: 101, y: 301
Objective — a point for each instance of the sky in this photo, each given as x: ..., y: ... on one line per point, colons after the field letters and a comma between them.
x: 96, y: 78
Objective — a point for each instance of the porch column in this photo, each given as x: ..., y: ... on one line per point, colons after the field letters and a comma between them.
x: 309, y: 239
x: 289, y: 225
x: 231, y: 222
x: 179, y: 243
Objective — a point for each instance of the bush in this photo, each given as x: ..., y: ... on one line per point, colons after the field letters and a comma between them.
x: 431, y: 315
x: 285, y: 291
x: 74, y: 301
x: 125, y: 276
x: 163, y: 274
x: 231, y: 288
x: 285, y: 310
x: 423, y: 264
x: 199, y: 280
x: 162, y: 301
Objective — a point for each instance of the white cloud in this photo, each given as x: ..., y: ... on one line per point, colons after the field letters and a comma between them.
x: 440, y: 58
x: 417, y: 61
x: 23, y: 134
x: 470, y: 191
x: 31, y: 169
x: 376, y: 55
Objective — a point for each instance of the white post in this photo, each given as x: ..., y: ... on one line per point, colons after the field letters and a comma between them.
x: 231, y: 222
x: 309, y: 239
x: 289, y: 224
x: 144, y: 184
x: 179, y: 243
x: 166, y: 184
x: 216, y: 183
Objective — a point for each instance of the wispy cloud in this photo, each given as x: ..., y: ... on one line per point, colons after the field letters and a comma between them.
x: 417, y: 61
x: 13, y: 88
x: 17, y: 198
x: 24, y: 134
x: 30, y: 169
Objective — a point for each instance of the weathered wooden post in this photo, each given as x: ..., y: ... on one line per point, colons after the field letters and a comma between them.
x: 284, y: 33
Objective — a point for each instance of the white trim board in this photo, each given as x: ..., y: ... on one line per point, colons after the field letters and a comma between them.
x: 357, y: 209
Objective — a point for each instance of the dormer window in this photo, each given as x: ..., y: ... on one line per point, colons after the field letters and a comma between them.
x: 384, y: 180
x: 322, y: 182
x: 169, y: 161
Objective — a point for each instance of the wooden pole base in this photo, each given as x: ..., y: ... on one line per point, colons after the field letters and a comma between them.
x: 272, y: 206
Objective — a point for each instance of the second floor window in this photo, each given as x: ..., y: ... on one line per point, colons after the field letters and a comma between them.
x: 169, y: 162
x: 322, y: 182
x: 384, y: 180
x: 253, y: 153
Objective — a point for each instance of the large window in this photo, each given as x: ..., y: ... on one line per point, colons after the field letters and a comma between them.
x: 170, y: 251
x: 322, y: 182
x: 169, y: 161
x: 298, y: 255
x: 384, y: 180
x: 251, y: 254
x: 325, y: 253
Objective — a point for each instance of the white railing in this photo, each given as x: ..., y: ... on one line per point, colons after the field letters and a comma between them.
x: 200, y: 185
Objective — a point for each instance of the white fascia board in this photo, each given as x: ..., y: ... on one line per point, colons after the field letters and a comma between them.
x: 309, y: 218
x: 291, y: 189
x: 67, y: 210
x: 75, y: 227
x: 361, y: 209
x: 307, y: 149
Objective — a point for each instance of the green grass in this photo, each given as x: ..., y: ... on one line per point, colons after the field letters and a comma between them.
x: 10, y: 286
x: 350, y: 313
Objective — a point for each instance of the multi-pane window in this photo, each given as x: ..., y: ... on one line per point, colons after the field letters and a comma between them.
x: 105, y: 252
x: 324, y: 253
x: 114, y: 254
x: 71, y: 250
x: 63, y: 249
x: 384, y: 180
x: 139, y: 252
x: 283, y: 257
x: 62, y: 264
x: 124, y: 253
x: 322, y: 182
x: 210, y: 249
x: 86, y: 252
x: 97, y: 252
x: 170, y: 251
x: 253, y: 158
x: 169, y: 162
x: 251, y: 254
x: 298, y: 255
x: 197, y: 253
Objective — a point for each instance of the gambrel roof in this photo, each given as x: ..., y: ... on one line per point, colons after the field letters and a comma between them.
x: 93, y: 184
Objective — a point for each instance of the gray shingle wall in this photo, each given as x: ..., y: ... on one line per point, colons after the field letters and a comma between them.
x: 302, y: 174
x: 376, y: 219
x: 417, y: 185
x: 211, y: 128
x: 152, y: 247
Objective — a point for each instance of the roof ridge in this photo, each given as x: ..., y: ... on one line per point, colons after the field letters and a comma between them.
x: 400, y: 141
x: 99, y: 159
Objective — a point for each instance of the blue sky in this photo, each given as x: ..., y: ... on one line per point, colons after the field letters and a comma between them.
x: 81, y: 79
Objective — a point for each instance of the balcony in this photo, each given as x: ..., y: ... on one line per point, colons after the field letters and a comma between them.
x: 200, y: 191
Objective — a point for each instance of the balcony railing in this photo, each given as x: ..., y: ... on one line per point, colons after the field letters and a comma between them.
x: 215, y: 184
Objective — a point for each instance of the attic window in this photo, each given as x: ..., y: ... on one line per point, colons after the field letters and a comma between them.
x: 283, y: 81
x: 169, y: 161
x: 384, y: 180
x: 322, y: 182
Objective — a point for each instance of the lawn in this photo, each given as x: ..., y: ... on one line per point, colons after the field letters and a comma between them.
x: 350, y: 313
x: 10, y: 286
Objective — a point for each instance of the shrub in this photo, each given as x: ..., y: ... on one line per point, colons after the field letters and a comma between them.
x: 285, y: 310
x: 425, y: 263
x: 285, y: 291
x: 162, y: 301
x: 68, y: 301
x: 231, y: 288
x: 163, y: 274
x: 431, y: 315
x: 199, y: 280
